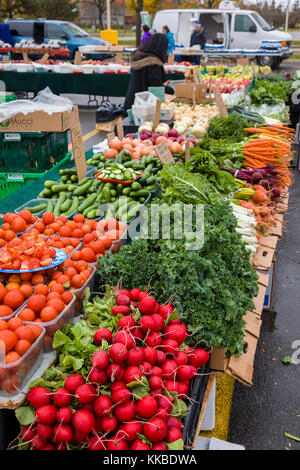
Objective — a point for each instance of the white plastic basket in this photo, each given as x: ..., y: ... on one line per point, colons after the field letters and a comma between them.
x: 145, y: 98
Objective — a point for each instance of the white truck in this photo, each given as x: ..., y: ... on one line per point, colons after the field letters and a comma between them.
x: 229, y: 29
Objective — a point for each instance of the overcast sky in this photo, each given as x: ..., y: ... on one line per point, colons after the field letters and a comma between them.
x: 282, y: 2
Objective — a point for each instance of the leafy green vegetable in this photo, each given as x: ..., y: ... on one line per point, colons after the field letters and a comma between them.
x: 269, y: 92
x: 212, y: 287
x: 231, y: 127
x: 179, y: 409
x: 287, y: 360
x: 175, y: 445
x: 25, y: 415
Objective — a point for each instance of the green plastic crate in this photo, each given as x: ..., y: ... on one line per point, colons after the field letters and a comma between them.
x: 7, y: 97
x: 31, y: 152
x: 10, y: 182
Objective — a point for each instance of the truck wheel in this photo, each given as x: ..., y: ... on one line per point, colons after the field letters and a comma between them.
x: 270, y: 61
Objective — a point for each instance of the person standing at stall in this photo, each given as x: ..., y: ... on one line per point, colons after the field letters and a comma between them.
x: 146, y: 34
x: 147, y: 68
x: 198, y: 37
x: 170, y: 37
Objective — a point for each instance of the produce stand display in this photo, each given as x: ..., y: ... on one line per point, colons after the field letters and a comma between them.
x: 232, y: 162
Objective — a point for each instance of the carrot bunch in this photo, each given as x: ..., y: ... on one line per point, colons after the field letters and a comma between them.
x: 269, y: 148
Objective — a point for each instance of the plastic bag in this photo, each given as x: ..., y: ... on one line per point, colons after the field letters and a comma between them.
x: 45, y: 101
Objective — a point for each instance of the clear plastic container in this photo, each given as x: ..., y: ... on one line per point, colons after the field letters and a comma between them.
x: 66, y: 316
x: 79, y: 293
x: 12, y: 376
x: 116, y: 245
x: 33, y: 203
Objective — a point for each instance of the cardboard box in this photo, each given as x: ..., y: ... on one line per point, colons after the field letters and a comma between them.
x: 263, y: 258
x: 41, y: 121
x: 189, y: 92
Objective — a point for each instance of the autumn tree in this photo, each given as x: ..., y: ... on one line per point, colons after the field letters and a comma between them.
x: 101, y: 8
x: 135, y: 7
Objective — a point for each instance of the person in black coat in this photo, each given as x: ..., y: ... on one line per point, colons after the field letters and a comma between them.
x: 147, y: 68
x: 199, y: 36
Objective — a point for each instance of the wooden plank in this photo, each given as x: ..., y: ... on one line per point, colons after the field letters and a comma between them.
x: 204, y: 406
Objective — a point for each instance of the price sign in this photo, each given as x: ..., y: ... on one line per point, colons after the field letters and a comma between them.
x: 120, y: 128
x: 44, y: 59
x: 77, y: 58
x: 157, y: 114
x: 78, y: 151
x: 187, y: 150
x: 164, y: 153
x: 171, y: 58
x: 220, y: 102
x: 110, y: 136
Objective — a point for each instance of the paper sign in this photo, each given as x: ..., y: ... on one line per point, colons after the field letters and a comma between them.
x: 220, y: 102
x: 77, y: 58
x: 120, y: 129
x: 171, y: 58
x: 164, y: 153
x: 196, y: 76
x: 78, y: 151
x: 110, y: 136
x: 44, y: 59
x: 254, y: 70
x: 157, y: 114
x: 118, y: 58
x: 187, y: 150
x: 6, y: 59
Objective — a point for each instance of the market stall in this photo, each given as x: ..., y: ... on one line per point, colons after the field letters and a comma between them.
x: 172, y: 308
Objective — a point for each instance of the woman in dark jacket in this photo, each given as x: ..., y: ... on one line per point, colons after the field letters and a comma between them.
x: 147, y: 67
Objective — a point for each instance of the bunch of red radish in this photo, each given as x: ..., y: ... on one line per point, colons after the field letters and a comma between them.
x: 109, y: 413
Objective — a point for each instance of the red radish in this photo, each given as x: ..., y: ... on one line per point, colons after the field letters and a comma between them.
x: 147, y: 305
x: 150, y: 355
x: 124, y: 337
x: 46, y: 414
x: 159, y: 321
x: 61, y: 446
x: 134, y: 294
x: 123, y: 299
x: 157, y: 308
x: 62, y: 433
x: 83, y: 421
x: 183, y: 389
x: 162, y: 413
x: 175, y: 332
x: 125, y: 412
x: 28, y: 433
x: 133, y: 304
x: 166, y: 310
x: 160, y: 446
x: 117, y: 386
x: 120, y: 396
x: 186, y: 373
x: 39, y: 396
x: 117, y: 443
x: 161, y: 357
x: 175, y: 322
x: 80, y: 436
x: 169, y: 346
x: 102, y: 333
x: 98, y: 423
x: 132, y: 374
x: 142, y: 295
x: 109, y: 423
x: 102, y: 405
x: 138, y: 444
x: 37, y: 443
x: 126, y: 321
x: 100, y: 359
x: 146, y: 367
x: 123, y: 292
x: 198, y: 358
x: 156, y: 371
x: 173, y: 422
x: 169, y: 368
x: 135, y: 356
x: 153, y: 339
x: 88, y: 406
x: 146, y: 407
x: 64, y: 415
x: 44, y: 431
x: 137, y: 333
x: 173, y: 435
x: 98, y: 376
x: 118, y: 353
x: 48, y: 447
x: 155, y: 382
x: 171, y: 386
x: 121, y: 309
x: 114, y: 372
x: 96, y: 443
x: 181, y: 358
x: 131, y: 429
x: 165, y: 402
x: 156, y: 392
x: 155, y: 429
x: 85, y: 393
x: 61, y: 397
x: 147, y: 323
x: 73, y: 382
